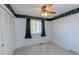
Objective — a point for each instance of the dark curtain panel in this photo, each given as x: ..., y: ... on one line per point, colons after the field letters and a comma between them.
x: 28, y: 30
x: 42, y: 28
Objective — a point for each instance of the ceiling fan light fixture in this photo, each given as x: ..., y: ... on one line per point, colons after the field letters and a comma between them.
x: 44, y: 14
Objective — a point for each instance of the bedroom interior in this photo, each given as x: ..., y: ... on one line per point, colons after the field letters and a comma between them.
x: 39, y: 29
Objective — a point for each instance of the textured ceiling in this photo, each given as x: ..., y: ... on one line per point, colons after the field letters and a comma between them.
x: 32, y: 9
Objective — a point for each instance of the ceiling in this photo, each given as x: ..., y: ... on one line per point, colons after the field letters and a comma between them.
x: 32, y: 9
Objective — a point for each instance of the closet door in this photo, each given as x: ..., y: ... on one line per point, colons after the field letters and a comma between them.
x: 6, y: 34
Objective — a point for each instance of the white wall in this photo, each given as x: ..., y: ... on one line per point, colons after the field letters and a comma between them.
x: 20, y: 25
x: 65, y: 32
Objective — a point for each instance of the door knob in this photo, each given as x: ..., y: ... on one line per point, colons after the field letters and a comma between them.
x: 2, y: 44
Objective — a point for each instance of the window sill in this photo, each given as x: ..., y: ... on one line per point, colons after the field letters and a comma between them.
x: 36, y: 34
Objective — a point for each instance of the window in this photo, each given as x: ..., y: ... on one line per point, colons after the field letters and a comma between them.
x: 35, y: 26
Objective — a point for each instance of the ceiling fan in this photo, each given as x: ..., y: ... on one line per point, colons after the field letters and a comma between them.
x: 45, y: 10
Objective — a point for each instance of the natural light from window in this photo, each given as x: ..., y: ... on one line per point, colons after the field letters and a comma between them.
x: 35, y: 26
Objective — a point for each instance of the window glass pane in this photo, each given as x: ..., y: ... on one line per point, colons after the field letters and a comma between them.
x: 35, y: 26
x: 32, y: 26
x: 38, y: 26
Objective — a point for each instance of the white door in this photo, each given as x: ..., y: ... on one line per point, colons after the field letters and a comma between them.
x: 6, y: 33
x: 8, y: 37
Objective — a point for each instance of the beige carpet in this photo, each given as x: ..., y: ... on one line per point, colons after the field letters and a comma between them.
x: 43, y: 49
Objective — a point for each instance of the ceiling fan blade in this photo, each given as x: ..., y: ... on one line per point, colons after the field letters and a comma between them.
x: 50, y: 12
x: 49, y: 5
